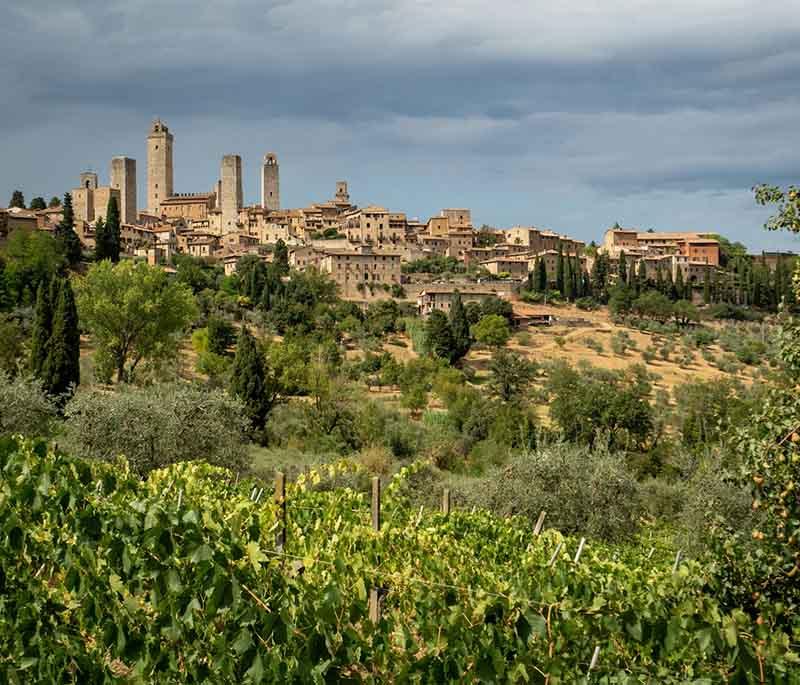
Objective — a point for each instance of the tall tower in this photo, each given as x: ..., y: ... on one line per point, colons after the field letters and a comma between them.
x: 230, y: 191
x: 159, y: 166
x: 342, y: 196
x: 123, y: 178
x: 83, y: 197
x: 270, y: 183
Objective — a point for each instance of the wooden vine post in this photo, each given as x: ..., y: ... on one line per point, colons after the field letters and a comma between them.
x: 280, y: 500
x: 375, y: 593
x: 446, y: 501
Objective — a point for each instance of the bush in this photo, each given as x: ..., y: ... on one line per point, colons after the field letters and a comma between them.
x: 560, y: 340
x: 594, y: 344
x: 586, y: 303
x: 158, y: 425
x: 584, y: 492
x: 24, y: 406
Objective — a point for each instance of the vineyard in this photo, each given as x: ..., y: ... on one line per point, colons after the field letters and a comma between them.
x: 197, y: 575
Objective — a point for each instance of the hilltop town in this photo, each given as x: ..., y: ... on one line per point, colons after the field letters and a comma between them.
x: 370, y: 252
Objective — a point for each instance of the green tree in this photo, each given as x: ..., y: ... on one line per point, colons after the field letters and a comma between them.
x: 281, y: 257
x: 157, y: 425
x: 653, y: 305
x: 100, y: 240
x: 560, y: 271
x: 62, y: 371
x: 459, y: 326
x: 685, y: 313
x: 439, y: 335
x: 42, y: 329
x: 32, y: 257
x: 134, y: 312
x: 510, y: 375
x: 541, y: 275
x: 54, y: 202
x: 221, y: 335
x: 492, y: 330
x: 250, y: 382
x: 113, y: 231
x: 17, y: 200
x: 65, y: 233
x: 38, y: 203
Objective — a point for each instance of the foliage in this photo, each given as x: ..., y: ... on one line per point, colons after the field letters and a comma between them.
x: 38, y: 203
x: 25, y: 407
x: 510, y: 375
x: 61, y: 371
x: 17, y: 200
x: 134, y: 312
x: 221, y: 335
x: 65, y: 235
x: 439, y: 336
x: 250, y: 381
x: 590, y: 405
x: 459, y: 326
x: 191, y: 588
x: 12, y: 350
x: 157, y: 425
x: 32, y: 258
x: 107, y: 235
x: 434, y: 265
x: 491, y: 330
x: 787, y: 216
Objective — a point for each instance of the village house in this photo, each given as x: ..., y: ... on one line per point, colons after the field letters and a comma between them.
x: 440, y: 296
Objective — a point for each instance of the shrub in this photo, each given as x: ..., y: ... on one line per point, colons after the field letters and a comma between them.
x: 158, y: 425
x: 594, y: 344
x: 560, y: 340
x: 24, y: 406
x: 583, y: 491
x: 586, y: 303
x: 524, y: 339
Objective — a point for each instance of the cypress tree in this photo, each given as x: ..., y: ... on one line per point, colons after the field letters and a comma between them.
x: 281, y: 257
x: 659, y: 278
x: 65, y: 233
x: 632, y: 280
x: 42, y: 328
x: 678, y: 289
x: 100, y: 240
x: 560, y: 271
x: 248, y: 379
x: 622, y: 270
x: 62, y: 369
x: 5, y: 294
x: 706, y: 287
x: 459, y: 327
x: 567, y: 292
x: 439, y: 336
x: 668, y: 284
x: 112, y: 233
x: 17, y: 200
x: 542, y: 275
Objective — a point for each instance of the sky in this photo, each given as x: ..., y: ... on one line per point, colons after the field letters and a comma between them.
x: 568, y: 115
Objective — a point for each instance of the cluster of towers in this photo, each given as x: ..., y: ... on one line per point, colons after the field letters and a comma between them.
x: 229, y: 196
x: 91, y: 200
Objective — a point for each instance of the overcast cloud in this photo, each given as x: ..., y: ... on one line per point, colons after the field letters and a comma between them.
x: 569, y: 115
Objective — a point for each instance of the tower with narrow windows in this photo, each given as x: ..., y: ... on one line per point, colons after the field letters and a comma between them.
x: 159, y: 166
x: 123, y: 179
x: 230, y: 191
x: 270, y: 183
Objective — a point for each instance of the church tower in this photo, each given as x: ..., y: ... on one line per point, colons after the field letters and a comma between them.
x: 159, y: 166
x: 270, y: 183
x: 123, y: 178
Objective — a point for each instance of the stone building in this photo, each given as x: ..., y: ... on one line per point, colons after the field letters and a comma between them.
x: 159, y: 166
x: 373, y: 225
x: 189, y: 206
x: 90, y: 201
x: 270, y: 183
x: 123, y: 179
x: 697, y: 247
x: 516, y: 266
x: 440, y: 296
x: 230, y: 191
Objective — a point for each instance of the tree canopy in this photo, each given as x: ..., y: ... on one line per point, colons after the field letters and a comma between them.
x: 134, y: 312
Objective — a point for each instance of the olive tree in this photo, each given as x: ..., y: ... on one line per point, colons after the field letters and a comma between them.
x: 158, y: 425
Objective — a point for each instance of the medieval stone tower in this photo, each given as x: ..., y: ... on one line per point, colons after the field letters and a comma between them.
x: 123, y: 178
x: 342, y: 196
x: 159, y: 166
x: 230, y: 200
x: 270, y: 183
